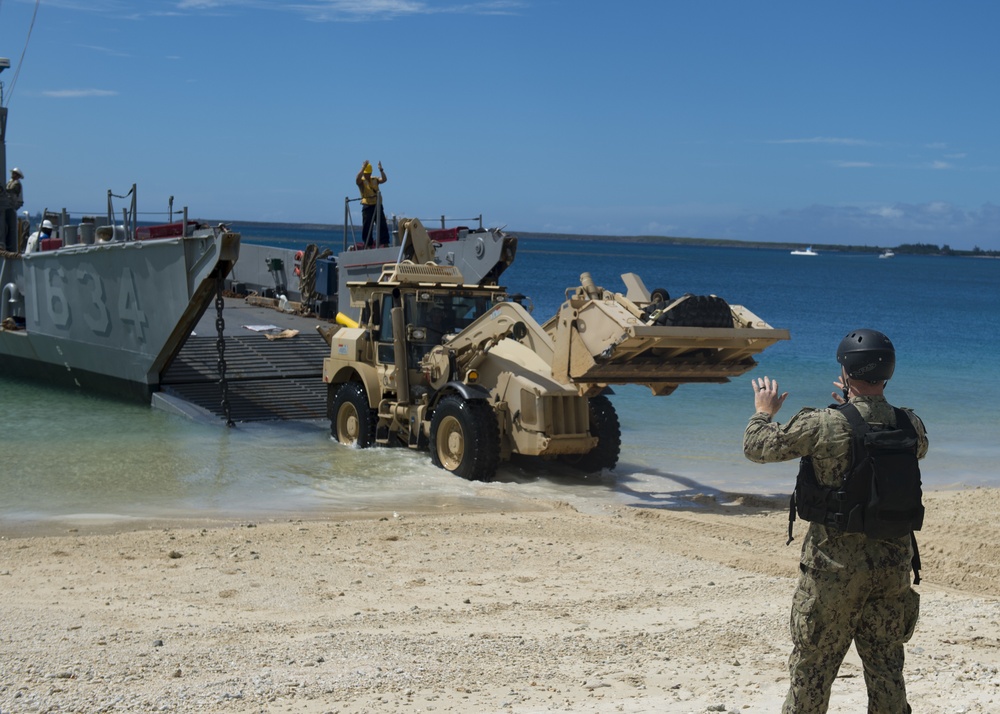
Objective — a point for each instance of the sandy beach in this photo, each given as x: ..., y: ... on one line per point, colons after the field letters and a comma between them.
x: 533, y: 609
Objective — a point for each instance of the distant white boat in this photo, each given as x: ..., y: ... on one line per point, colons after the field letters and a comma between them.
x: 807, y: 251
x: 887, y: 253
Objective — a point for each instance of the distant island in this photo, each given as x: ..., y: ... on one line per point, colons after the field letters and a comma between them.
x: 902, y: 249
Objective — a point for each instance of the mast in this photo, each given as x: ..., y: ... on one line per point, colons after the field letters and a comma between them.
x: 4, y: 64
x: 8, y: 234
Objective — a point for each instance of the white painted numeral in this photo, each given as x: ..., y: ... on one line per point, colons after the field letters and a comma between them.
x: 129, y: 309
x: 55, y: 299
x: 95, y: 311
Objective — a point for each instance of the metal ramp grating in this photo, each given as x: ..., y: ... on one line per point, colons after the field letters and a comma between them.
x: 259, y: 399
x: 249, y: 357
x: 267, y: 379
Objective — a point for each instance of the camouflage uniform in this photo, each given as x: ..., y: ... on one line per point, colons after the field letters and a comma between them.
x: 11, y: 199
x: 851, y: 587
x: 15, y: 193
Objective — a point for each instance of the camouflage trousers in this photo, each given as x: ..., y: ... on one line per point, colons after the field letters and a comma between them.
x: 876, y: 609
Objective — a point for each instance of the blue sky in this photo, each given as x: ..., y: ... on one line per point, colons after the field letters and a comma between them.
x: 851, y: 122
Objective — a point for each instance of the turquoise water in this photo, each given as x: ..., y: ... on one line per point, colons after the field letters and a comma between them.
x: 75, y: 457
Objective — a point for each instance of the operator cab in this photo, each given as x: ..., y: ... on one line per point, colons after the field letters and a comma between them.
x: 432, y: 318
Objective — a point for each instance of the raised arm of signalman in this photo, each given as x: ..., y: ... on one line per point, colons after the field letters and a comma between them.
x: 366, y: 170
x: 765, y: 396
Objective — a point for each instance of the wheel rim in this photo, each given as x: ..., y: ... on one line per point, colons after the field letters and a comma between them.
x: 450, y: 443
x: 348, y: 424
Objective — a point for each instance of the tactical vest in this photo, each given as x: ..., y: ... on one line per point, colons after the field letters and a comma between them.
x: 879, y: 495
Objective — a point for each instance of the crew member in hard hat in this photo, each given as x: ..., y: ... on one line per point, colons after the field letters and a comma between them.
x: 853, y: 587
x: 371, y: 205
x: 14, y: 191
x: 35, y: 239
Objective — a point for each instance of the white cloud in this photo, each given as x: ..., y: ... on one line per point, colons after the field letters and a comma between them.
x: 656, y: 228
x: 105, y: 50
x: 937, y: 222
x: 79, y: 93
x: 318, y: 10
x: 886, y: 212
x: 853, y: 164
x: 359, y: 10
x: 840, y: 141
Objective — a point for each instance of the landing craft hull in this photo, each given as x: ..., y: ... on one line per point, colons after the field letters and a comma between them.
x: 109, y: 317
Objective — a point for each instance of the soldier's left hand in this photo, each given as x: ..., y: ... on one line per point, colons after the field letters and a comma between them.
x: 765, y: 395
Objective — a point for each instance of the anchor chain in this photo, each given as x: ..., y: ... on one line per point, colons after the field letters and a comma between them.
x: 220, y: 345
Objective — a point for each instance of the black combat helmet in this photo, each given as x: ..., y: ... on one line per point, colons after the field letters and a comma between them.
x: 867, y: 355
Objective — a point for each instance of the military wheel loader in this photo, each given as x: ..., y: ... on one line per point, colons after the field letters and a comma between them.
x: 466, y: 372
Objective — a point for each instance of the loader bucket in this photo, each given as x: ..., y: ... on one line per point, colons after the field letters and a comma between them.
x: 609, y: 340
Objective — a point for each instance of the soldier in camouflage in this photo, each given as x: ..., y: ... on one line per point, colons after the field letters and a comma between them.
x: 14, y: 190
x: 852, y: 588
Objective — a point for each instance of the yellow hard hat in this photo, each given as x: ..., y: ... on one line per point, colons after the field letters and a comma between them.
x: 368, y: 168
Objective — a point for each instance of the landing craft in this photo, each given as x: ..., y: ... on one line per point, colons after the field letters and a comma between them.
x: 107, y: 305
x: 100, y: 305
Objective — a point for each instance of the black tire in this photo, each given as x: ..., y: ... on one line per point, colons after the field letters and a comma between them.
x: 604, y: 425
x: 699, y: 311
x: 465, y: 438
x: 352, y: 421
x: 659, y: 295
